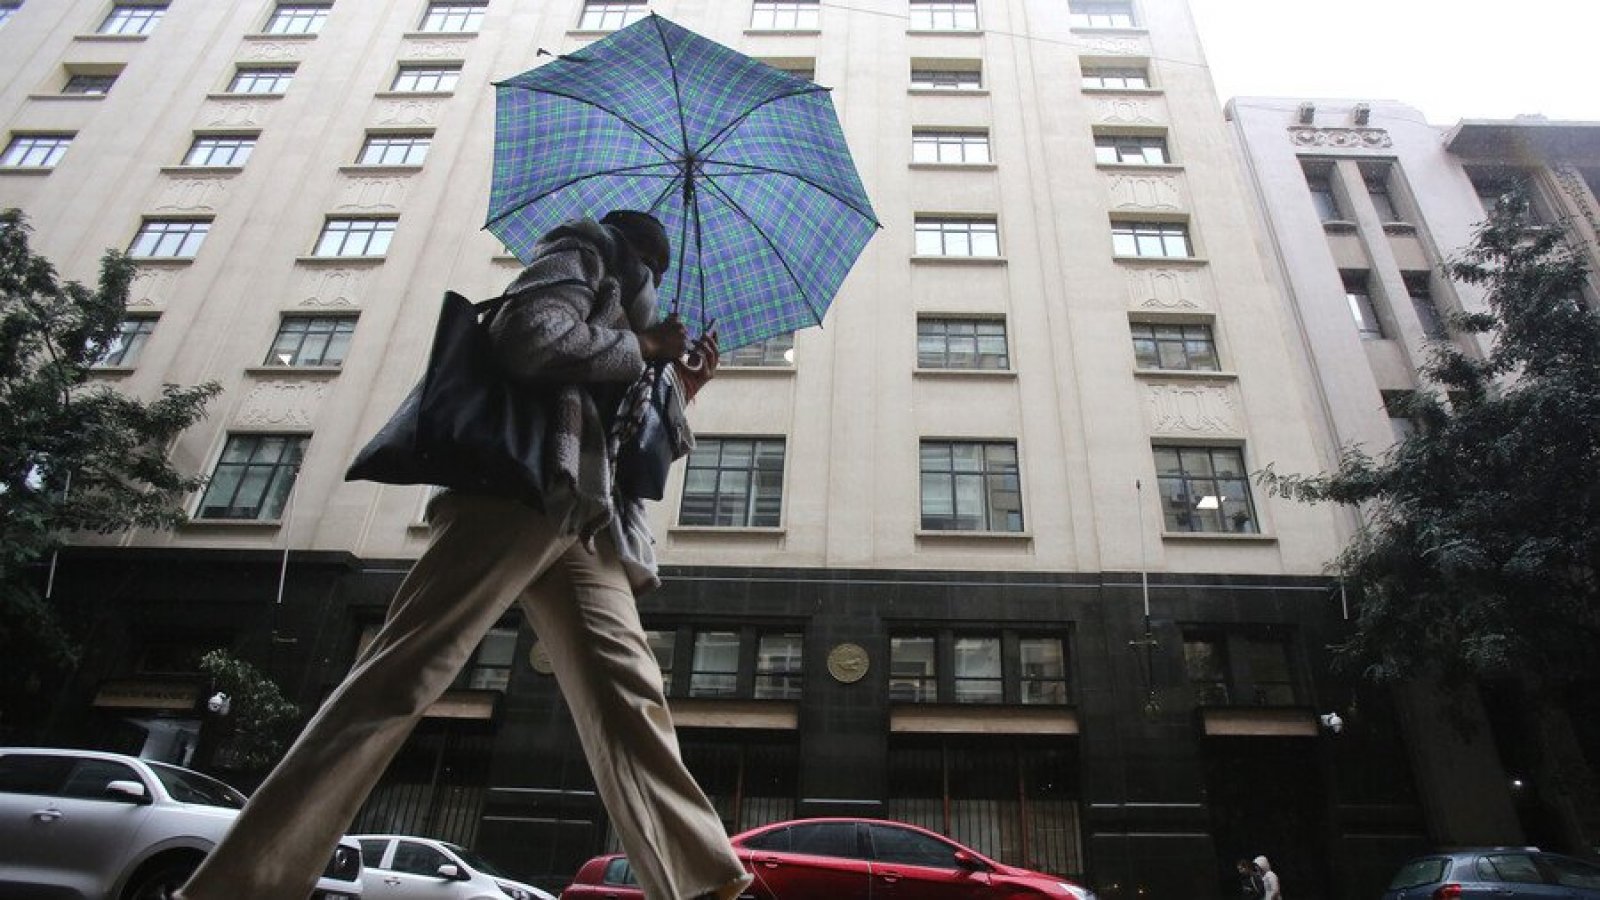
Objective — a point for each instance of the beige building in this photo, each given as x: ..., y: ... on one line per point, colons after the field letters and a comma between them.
x: 1052, y: 371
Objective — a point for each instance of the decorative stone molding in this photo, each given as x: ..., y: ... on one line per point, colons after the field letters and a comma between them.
x: 235, y: 114
x: 282, y: 404
x: 1341, y: 138
x: 1166, y: 289
x: 1146, y: 192
x: 277, y: 52
x: 151, y: 287
x: 1192, y: 409
x: 1126, y: 111
x: 1112, y: 46
x: 409, y: 112
x: 332, y: 288
x: 434, y: 50
x: 193, y: 194
x: 372, y: 195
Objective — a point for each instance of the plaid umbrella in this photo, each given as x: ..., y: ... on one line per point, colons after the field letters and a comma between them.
x: 745, y: 165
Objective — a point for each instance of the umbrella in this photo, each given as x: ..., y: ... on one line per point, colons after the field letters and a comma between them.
x: 745, y: 164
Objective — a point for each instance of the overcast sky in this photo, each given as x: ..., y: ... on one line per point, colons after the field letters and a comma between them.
x: 1452, y: 59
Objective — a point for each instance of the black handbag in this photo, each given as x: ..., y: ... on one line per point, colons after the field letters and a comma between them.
x: 464, y: 426
x: 647, y: 447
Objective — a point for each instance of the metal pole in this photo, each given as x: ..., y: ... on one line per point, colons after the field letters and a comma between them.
x: 288, y: 523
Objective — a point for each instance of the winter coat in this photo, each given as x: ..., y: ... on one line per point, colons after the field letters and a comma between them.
x: 1269, y: 879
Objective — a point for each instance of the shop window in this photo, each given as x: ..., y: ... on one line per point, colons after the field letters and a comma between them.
x: 1239, y: 668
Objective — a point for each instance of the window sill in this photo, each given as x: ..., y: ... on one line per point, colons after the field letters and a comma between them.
x: 1187, y: 374
x: 945, y: 32
x: 339, y: 260
x: 1109, y: 29
x: 948, y: 92
x: 266, y: 36
x: 1225, y: 536
x: 782, y: 371
x: 111, y: 371
x: 198, y: 524
x: 1162, y: 260
x: 1122, y: 90
x: 26, y: 170
x: 1338, y: 226
x: 380, y: 169
x: 988, y: 537
x: 783, y: 32
x: 163, y: 262
x: 1139, y: 167
x: 958, y: 260
x: 413, y: 95
x: 954, y: 167
x: 728, y: 531
x: 982, y: 374
x: 201, y: 170
x: 222, y: 95
x: 70, y: 98
x: 1399, y: 228
x: 310, y: 372
x: 111, y: 38
x: 591, y: 32
x: 436, y: 35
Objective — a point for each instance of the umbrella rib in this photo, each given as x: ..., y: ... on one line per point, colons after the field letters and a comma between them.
x: 710, y: 145
x: 626, y: 170
x: 734, y: 204
x: 768, y: 170
x: 677, y: 89
x: 660, y: 146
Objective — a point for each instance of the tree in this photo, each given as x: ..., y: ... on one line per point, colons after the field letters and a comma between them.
x: 261, y: 720
x: 1478, y: 555
x: 75, y: 456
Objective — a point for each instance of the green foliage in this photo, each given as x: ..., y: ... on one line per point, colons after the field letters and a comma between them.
x: 262, y: 721
x: 75, y: 456
x: 1479, y: 552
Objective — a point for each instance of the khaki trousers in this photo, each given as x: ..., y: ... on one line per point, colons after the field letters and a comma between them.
x: 484, y: 554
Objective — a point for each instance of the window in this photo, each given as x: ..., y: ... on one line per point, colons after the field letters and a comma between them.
x: 959, y: 343
x: 913, y: 669
x: 1320, y: 182
x: 26, y: 773
x: 1177, y: 347
x: 132, y: 18
x: 929, y: 146
x: 619, y: 871
x: 774, y: 351
x: 88, y: 84
x: 35, y: 151
x: 355, y: 237
x: 1517, y: 868
x: 311, y: 341
x: 946, y: 79
x: 1419, y: 288
x: 253, y: 477
x: 1205, y: 489
x: 1116, y: 78
x: 219, y: 151
x: 958, y: 237
x: 91, y: 777
x: 1101, y: 13
x: 296, y: 19
x: 413, y: 858
x: 426, y: 79
x: 609, y: 15
x: 169, y: 239
x: 1130, y: 149
x: 716, y: 664
x: 944, y: 15
x: 805, y: 71
x: 1043, y: 678
x: 1238, y: 668
x: 126, y: 345
x: 1397, y: 406
x: 1205, y: 665
x: 453, y: 17
x: 978, y: 674
x: 971, y: 486
x: 490, y: 669
x: 663, y: 644
x: 395, y: 150
x: 778, y: 667
x: 1150, y: 239
x: 733, y: 482
x: 1377, y: 180
x: 835, y: 839
x: 786, y: 15
x: 1361, y: 308
x: 260, y: 80
x: 902, y: 846
x: 1571, y: 873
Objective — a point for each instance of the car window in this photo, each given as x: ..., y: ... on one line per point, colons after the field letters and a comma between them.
x: 825, y: 839
x: 23, y: 773
x: 777, y: 839
x: 1419, y: 872
x: 1514, y: 867
x: 192, y: 787
x: 1571, y: 873
x: 619, y: 872
x: 474, y: 860
x: 90, y: 777
x: 418, y: 859
x: 901, y: 845
x: 372, y: 852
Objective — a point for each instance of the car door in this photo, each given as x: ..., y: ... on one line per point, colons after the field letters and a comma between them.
x: 83, y: 833
x: 1581, y: 879
x: 911, y: 865
x: 374, y: 867
x: 1512, y: 875
x: 811, y: 859
x: 29, y: 784
x: 413, y: 874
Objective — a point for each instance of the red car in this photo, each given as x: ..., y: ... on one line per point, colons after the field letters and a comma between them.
x: 850, y: 859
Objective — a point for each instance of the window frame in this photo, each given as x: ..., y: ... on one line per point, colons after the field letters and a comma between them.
x: 977, y: 232
x: 1139, y: 144
x: 1100, y: 74
x: 994, y: 482
x: 193, y: 235
x: 774, y: 12
x: 785, y: 681
x: 234, y: 145
x: 387, y: 142
x: 122, y: 21
x: 1364, y: 313
x: 439, y: 78
x: 960, y: 142
x: 924, y: 666
x: 1096, y: 14
x: 278, y: 78
x: 269, y: 505
x: 302, y: 327
x: 1183, y: 341
x: 933, y: 327
x: 54, y: 146
x: 453, y: 17
x: 1234, y: 680
x: 301, y: 19
x: 776, y: 352
x: 88, y: 84
x: 749, y: 514
x: 598, y: 15
x: 344, y: 224
x: 947, y: 80
x: 942, y: 15
x: 1171, y: 523
x: 1142, y: 233
x: 133, y: 333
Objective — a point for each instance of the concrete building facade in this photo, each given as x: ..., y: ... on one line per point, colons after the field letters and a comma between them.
x: 907, y: 566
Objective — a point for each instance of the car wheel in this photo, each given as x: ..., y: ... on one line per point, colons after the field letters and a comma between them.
x: 159, y: 884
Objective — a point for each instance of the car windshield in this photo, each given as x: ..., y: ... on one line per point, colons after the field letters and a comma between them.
x: 192, y: 787
x: 476, y: 861
x: 1418, y: 872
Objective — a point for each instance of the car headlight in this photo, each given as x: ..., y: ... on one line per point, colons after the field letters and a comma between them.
x: 515, y: 893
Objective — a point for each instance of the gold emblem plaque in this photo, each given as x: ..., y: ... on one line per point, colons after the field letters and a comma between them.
x: 847, y: 663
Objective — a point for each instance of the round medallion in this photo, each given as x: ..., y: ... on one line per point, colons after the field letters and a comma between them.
x: 539, y: 658
x: 847, y: 663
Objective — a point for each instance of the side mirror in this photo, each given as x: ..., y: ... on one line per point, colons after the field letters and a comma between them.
x: 128, y: 792
x: 965, y: 860
x: 452, y: 872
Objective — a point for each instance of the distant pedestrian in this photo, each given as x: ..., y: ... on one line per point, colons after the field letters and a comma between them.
x: 1269, y: 880
x: 1250, y: 884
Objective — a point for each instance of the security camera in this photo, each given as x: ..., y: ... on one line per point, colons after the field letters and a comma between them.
x: 219, y: 703
x: 1332, y: 722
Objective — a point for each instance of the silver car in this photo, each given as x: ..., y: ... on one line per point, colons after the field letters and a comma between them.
x: 401, y: 867
x: 102, y: 826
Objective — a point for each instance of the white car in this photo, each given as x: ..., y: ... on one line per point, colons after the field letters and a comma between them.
x: 416, y: 868
x: 83, y: 825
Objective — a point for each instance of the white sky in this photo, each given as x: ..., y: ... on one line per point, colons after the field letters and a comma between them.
x: 1451, y: 59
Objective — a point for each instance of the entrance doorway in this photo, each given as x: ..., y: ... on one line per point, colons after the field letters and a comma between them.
x: 1267, y: 798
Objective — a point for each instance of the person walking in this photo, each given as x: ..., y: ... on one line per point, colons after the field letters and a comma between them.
x: 580, y: 323
x: 1269, y: 880
x: 1250, y: 884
